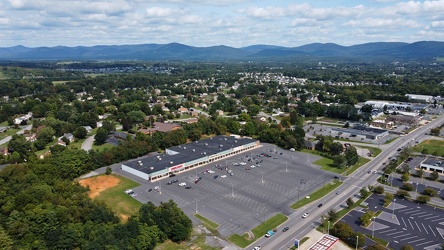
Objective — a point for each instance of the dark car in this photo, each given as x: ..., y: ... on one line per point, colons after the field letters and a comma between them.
x: 172, y: 175
x: 187, y: 187
x: 215, y: 177
x: 320, y: 205
x: 149, y: 190
x: 174, y: 181
x: 169, y: 183
x: 285, y: 229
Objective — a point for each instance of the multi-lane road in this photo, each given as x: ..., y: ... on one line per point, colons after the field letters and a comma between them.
x: 299, y: 226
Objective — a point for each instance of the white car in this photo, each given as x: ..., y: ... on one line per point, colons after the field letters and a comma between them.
x: 129, y: 191
x: 305, y: 215
x: 223, y: 176
x: 257, y: 248
x: 182, y: 184
x: 211, y: 171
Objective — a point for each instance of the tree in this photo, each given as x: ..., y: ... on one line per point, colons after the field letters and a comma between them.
x: 336, y: 148
x: 46, y: 134
x: 405, y: 168
x: 405, y: 177
x: 350, y: 202
x: 101, y: 136
x: 388, y: 199
x: 80, y: 133
x: 420, y: 173
x: 351, y: 155
x: 19, y: 144
x: 407, y: 187
x: 434, y: 176
x: 108, y: 171
x: 332, y: 215
x: 402, y: 194
x: 423, y: 199
x: 364, y: 192
x: 6, y: 242
x: 376, y: 247
x: 253, y: 109
x: 407, y: 247
x: 379, y: 190
x: 109, y: 125
x: 430, y: 192
x: 342, y: 230
x: 366, y: 218
x: 339, y: 161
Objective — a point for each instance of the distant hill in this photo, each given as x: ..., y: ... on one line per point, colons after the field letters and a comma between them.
x: 177, y: 51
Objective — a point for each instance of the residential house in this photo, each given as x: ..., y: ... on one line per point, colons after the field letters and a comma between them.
x: 311, y: 145
x: 30, y: 137
x: 182, y: 110
x: 88, y: 128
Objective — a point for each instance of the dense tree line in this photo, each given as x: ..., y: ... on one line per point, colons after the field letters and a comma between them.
x: 42, y: 208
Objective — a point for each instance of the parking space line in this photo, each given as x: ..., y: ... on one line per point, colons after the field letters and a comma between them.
x: 425, y: 228
x: 404, y: 236
x: 410, y: 212
x: 425, y: 215
x: 404, y: 210
x: 394, y: 233
x: 383, y: 232
x: 415, y: 240
x: 429, y: 218
x: 403, y: 221
x: 432, y: 230
x: 418, y: 226
x: 404, y: 239
x: 432, y: 247
x: 410, y: 223
x: 427, y: 242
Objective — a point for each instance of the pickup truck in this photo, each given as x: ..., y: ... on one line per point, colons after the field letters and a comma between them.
x: 269, y: 233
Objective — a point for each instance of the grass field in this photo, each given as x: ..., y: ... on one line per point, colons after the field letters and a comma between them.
x: 113, y: 194
x: 259, y: 231
x: 431, y: 146
x: 3, y: 76
x: 11, y: 131
x: 317, y: 194
x: 206, y: 222
x: 58, y: 82
x: 376, y: 151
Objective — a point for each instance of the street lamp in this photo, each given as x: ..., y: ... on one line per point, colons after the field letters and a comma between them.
x: 196, y: 205
x: 373, y: 231
x: 357, y: 240
x: 328, y: 228
x: 262, y: 177
x: 394, y: 204
x: 286, y: 167
x: 232, y: 190
x: 416, y: 189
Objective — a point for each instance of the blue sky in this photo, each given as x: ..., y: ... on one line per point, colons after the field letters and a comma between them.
x: 235, y: 23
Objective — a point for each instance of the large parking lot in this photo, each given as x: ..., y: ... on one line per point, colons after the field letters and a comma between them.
x: 402, y: 222
x: 241, y: 201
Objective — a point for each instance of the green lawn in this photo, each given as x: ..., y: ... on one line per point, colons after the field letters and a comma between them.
x: 11, y: 131
x: 119, y: 202
x: 431, y: 146
x: 259, y: 231
x: 317, y: 194
x: 376, y: 151
x: 207, y: 223
x: 103, y: 147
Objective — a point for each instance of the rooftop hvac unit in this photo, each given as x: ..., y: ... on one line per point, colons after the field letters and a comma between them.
x: 221, y: 145
x: 160, y: 159
x: 184, y: 148
x: 204, y: 153
x: 151, y: 168
x: 171, y: 162
x: 194, y: 150
x: 206, y: 144
x: 235, y: 141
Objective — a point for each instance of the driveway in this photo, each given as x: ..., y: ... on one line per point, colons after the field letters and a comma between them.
x: 87, y: 144
x: 22, y: 131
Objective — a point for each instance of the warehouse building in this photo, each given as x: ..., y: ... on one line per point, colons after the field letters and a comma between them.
x: 188, y: 156
x: 360, y: 132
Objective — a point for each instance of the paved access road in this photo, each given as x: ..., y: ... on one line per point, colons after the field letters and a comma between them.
x: 351, y: 186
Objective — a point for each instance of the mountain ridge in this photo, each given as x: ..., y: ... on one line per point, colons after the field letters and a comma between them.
x: 178, y: 51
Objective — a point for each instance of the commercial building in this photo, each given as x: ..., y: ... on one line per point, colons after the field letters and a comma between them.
x: 188, y: 156
x: 360, y: 132
x: 431, y: 164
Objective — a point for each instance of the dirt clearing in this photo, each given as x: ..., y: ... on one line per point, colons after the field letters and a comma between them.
x: 98, y: 184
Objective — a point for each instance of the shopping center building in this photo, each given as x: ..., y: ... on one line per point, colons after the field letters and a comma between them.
x: 188, y: 156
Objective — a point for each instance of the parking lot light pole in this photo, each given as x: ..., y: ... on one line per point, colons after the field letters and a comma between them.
x: 262, y: 177
x: 286, y: 167
x: 328, y: 228
x: 196, y: 205
x: 232, y: 190
x: 373, y: 231
x: 416, y: 189
x: 357, y: 240
x: 394, y: 204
